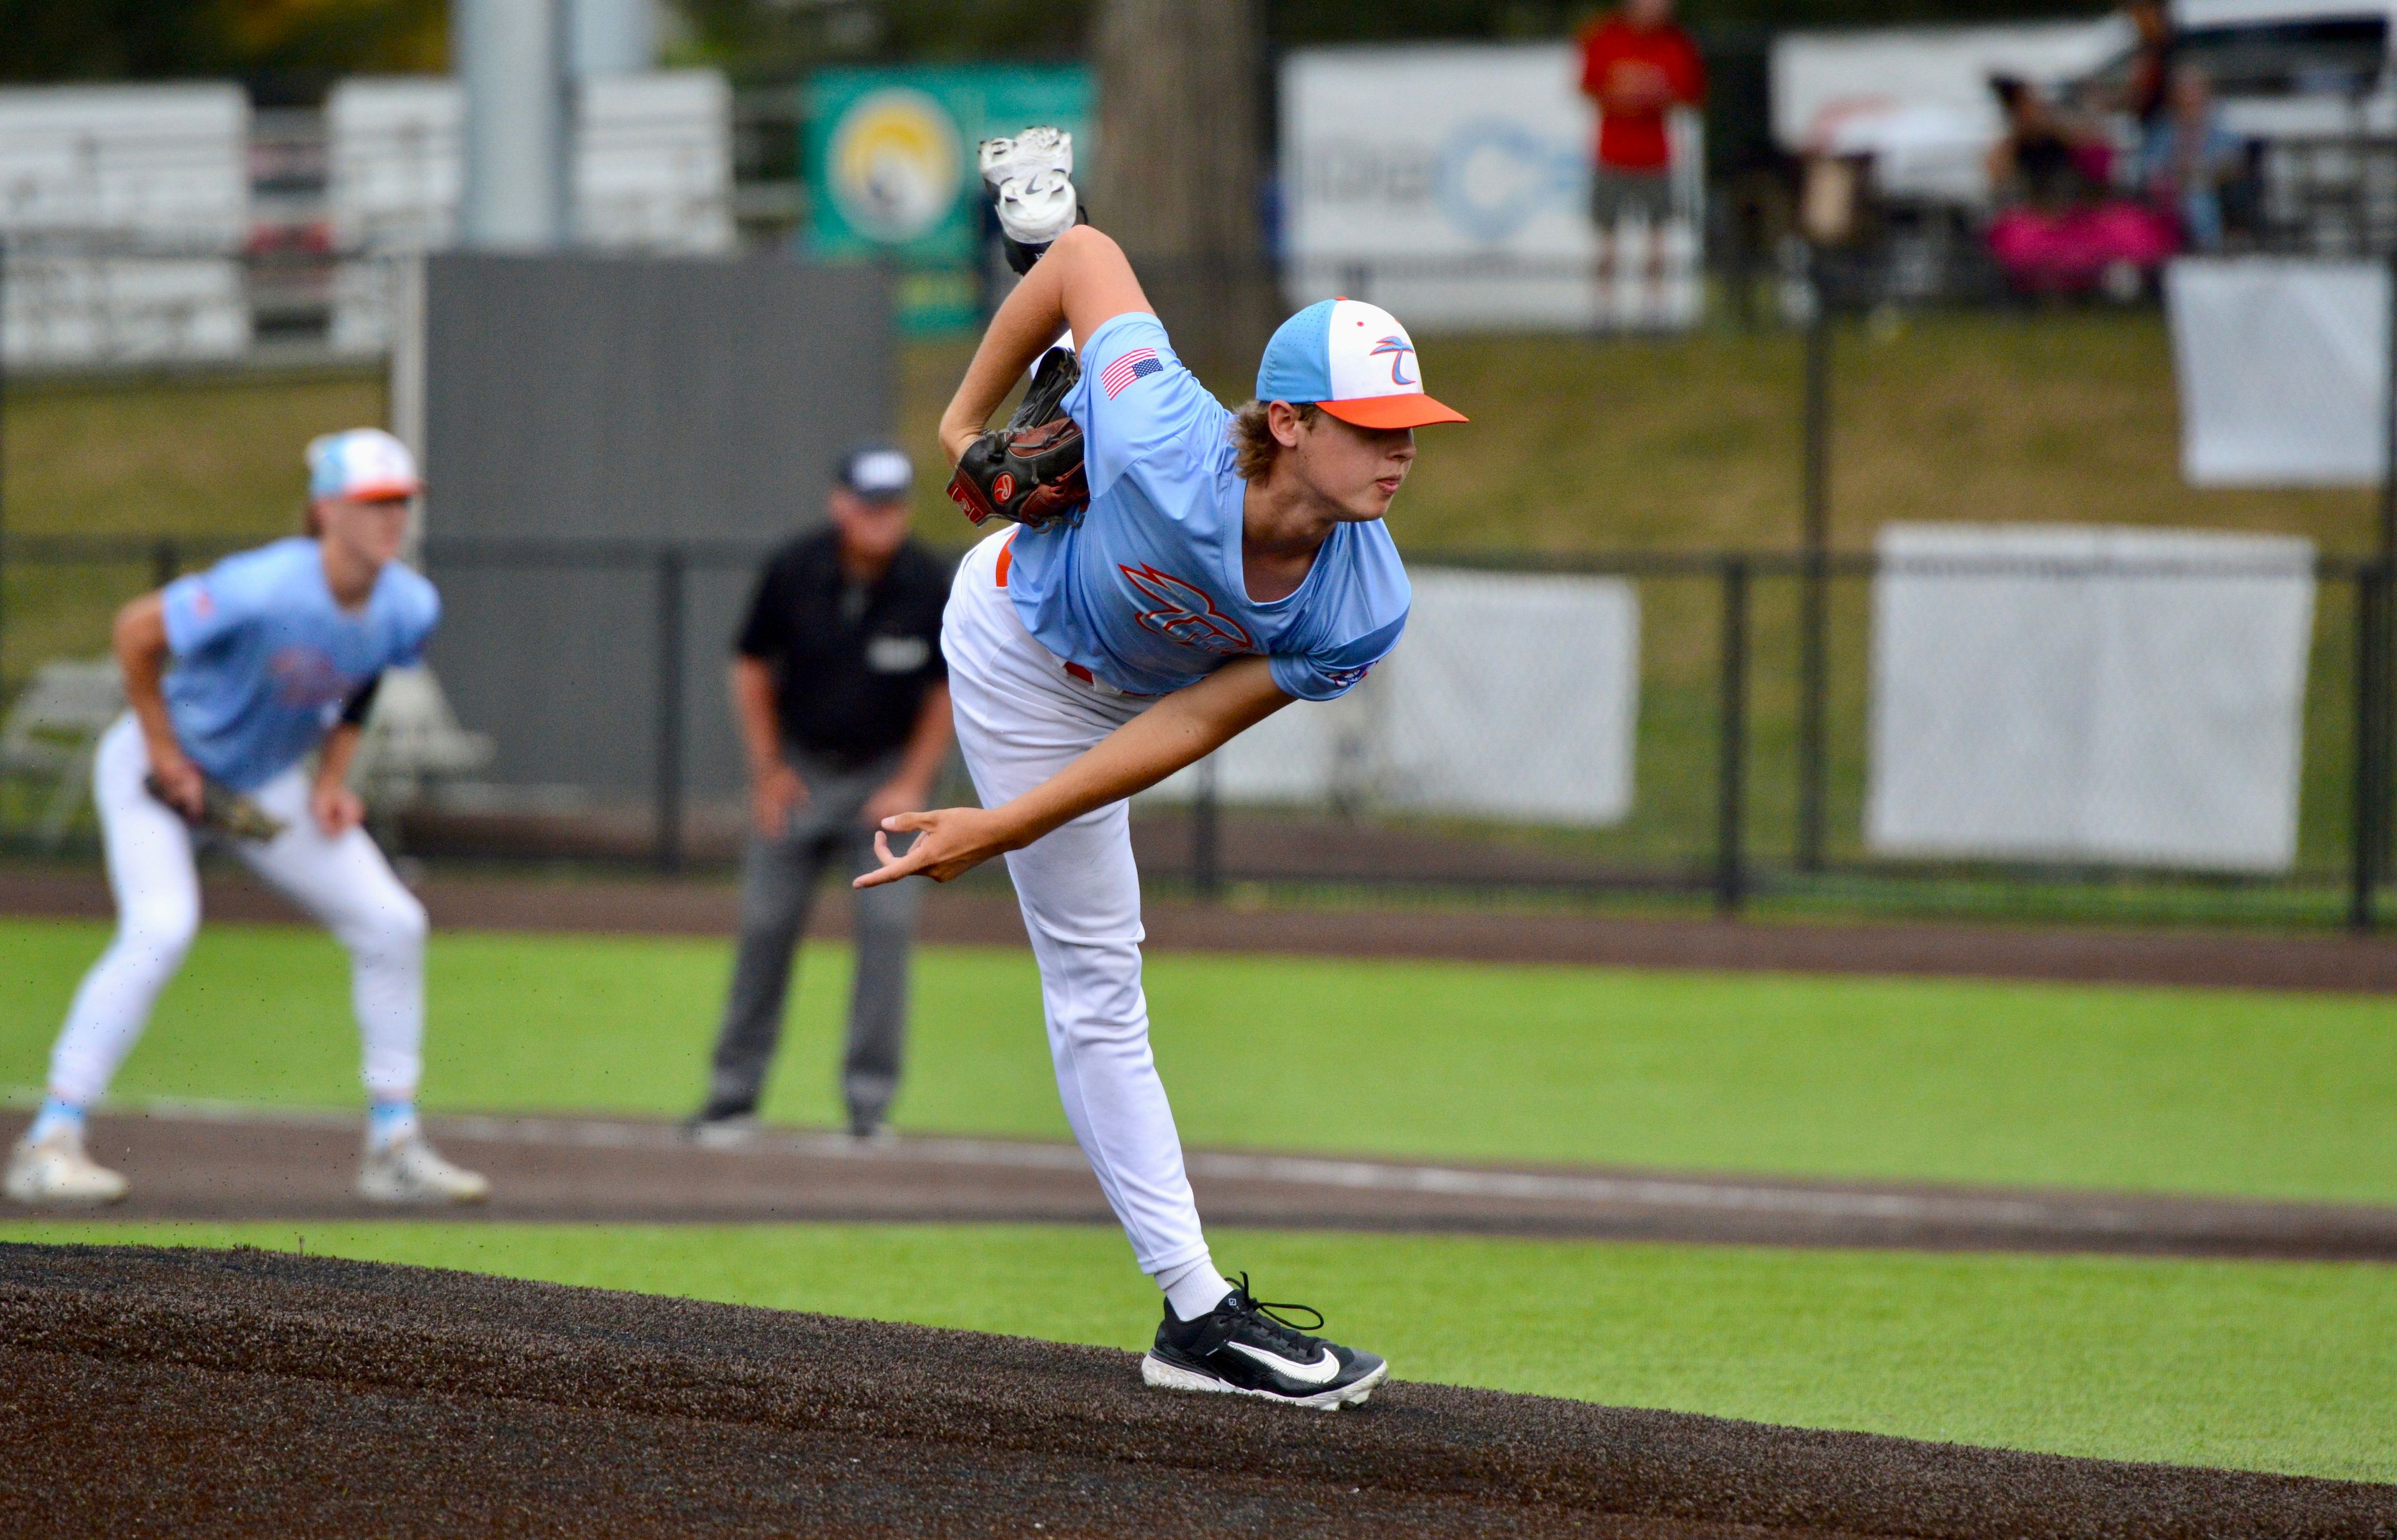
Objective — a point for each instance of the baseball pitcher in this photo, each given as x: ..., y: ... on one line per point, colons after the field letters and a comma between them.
x: 1175, y: 574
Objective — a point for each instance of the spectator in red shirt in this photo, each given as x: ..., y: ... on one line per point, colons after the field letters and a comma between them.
x: 1638, y: 64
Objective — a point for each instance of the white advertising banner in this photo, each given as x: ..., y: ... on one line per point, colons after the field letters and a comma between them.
x: 1918, y: 98
x: 1451, y: 184
x: 1512, y: 696
x: 1515, y: 697
x: 2283, y: 370
x: 2079, y: 694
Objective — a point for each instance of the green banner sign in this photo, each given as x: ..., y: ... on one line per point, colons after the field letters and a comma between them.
x: 890, y: 158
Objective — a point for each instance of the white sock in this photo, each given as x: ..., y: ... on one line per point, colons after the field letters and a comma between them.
x: 1193, y: 1288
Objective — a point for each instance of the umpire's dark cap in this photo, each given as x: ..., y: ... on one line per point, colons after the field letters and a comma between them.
x: 879, y: 473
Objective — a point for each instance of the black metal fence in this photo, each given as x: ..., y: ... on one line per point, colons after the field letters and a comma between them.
x: 1751, y: 753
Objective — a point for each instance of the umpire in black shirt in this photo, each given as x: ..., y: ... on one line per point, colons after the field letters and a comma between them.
x: 843, y: 704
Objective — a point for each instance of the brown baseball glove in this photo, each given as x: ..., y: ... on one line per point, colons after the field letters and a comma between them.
x: 226, y: 811
x: 1031, y: 470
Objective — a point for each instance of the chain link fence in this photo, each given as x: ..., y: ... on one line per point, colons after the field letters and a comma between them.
x: 2200, y: 735
x: 1734, y: 726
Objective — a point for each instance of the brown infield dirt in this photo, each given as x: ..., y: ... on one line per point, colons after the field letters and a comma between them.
x: 259, y: 1164
x: 192, y: 1392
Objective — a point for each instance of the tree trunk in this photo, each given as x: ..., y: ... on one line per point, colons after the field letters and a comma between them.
x: 1177, y: 168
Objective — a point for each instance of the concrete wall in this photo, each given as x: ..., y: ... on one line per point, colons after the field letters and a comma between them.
x: 599, y: 406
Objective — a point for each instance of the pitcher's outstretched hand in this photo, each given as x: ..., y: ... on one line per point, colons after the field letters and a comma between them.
x: 949, y: 842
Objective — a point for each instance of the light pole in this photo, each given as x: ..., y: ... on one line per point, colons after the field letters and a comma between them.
x: 511, y: 59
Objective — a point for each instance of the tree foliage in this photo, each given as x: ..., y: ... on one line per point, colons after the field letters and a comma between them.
x: 1302, y: 22
x: 58, y: 40
x: 68, y: 40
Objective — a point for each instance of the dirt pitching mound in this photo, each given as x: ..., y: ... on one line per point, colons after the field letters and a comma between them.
x: 147, y: 1391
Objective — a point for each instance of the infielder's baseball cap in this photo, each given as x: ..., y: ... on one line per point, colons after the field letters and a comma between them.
x: 878, y: 473
x: 366, y: 464
x: 1355, y: 361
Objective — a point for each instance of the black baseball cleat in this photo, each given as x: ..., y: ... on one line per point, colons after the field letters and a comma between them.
x: 1243, y: 1348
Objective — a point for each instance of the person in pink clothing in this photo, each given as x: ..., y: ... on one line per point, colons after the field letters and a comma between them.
x: 2060, y: 229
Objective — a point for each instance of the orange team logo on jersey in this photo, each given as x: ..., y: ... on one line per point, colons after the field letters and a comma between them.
x: 306, y: 676
x: 1185, y: 613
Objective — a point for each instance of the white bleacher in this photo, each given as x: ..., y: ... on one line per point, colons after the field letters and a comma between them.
x: 124, y: 209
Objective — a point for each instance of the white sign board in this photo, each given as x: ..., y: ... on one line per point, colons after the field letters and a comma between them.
x: 155, y: 177
x: 1918, y: 98
x: 1515, y: 697
x: 2082, y: 694
x: 1451, y: 184
x: 2283, y: 370
x: 2239, y: 13
x: 1512, y: 697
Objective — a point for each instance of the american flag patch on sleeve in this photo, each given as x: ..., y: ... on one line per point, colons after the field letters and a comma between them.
x: 1132, y: 366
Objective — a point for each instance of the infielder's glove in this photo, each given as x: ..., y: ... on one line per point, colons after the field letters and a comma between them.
x: 1031, y: 470
x: 224, y: 811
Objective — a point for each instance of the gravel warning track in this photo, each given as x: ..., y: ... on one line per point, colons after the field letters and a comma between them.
x: 194, y: 1392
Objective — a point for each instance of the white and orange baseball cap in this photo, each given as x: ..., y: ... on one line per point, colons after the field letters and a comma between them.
x: 362, y: 464
x: 1355, y: 362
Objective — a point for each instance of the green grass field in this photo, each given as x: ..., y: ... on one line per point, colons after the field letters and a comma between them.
x: 2270, y: 1366
x: 2262, y: 1366
x: 2280, y: 1095
x: 208, y: 456
x: 1575, y: 444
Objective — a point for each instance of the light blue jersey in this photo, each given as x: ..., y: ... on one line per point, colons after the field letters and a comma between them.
x: 1147, y: 592
x: 265, y: 658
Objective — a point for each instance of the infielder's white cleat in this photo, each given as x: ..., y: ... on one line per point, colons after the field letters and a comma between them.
x: 409, y: 1171
x: 728, y: 1133
x: 58, y: 1173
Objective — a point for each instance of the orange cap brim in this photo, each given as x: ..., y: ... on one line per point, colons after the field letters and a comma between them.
x: 1412, y: 410
x: 382, y: 491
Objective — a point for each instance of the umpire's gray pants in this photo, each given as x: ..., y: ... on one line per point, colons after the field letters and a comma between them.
x: 778, y: 884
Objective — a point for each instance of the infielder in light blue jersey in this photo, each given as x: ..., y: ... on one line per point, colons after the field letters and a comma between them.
x: 1227, y: 564
x: 266, y: 658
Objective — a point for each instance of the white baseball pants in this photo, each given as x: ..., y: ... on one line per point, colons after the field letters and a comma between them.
x: 345, y: 883
x: 1021, y: 718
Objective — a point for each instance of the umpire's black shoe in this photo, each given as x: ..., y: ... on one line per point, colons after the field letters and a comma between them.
x: 1243, y: 1348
